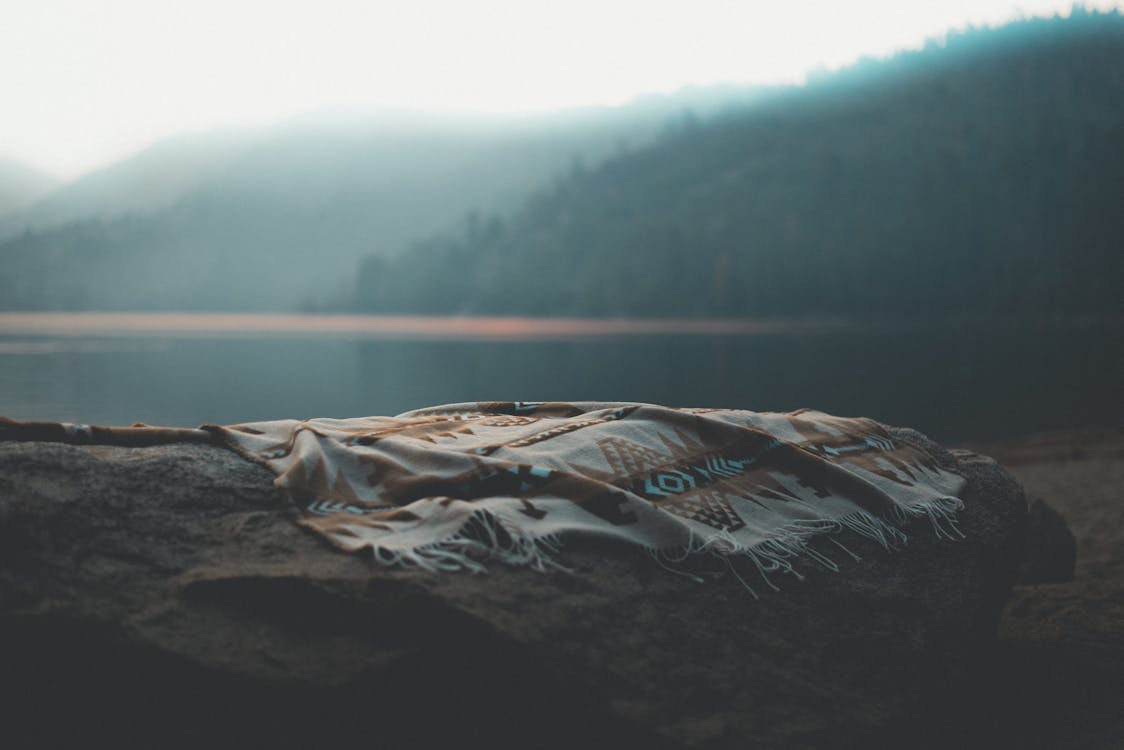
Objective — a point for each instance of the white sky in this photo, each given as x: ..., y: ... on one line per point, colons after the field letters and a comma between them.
x: 85, y: 82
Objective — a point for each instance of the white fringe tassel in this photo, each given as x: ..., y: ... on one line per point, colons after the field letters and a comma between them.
x: 485, y: 536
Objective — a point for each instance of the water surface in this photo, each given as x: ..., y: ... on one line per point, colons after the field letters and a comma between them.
x: 954, y: 381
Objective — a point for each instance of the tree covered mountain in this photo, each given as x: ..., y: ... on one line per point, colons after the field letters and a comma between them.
x: 279, y: 218
x: 980, y: 175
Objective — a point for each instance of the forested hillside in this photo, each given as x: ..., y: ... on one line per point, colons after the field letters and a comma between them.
x: 983, y: 175
x: 279, y: 218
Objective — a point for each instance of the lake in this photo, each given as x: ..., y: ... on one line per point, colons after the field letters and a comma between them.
x: 955, y: 381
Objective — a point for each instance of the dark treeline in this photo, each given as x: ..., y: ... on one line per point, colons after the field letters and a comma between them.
x: 982, y: 176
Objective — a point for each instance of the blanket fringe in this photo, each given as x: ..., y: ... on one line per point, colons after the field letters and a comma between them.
x: 483, y: 537
x: 486, y: 537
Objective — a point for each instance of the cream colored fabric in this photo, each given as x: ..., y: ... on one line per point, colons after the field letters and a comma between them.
x: 449, y: 487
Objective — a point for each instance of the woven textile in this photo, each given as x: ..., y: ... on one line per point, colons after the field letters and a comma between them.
x: 449, y: 487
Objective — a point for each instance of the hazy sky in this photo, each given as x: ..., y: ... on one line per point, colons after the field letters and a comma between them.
x: 85, y: 82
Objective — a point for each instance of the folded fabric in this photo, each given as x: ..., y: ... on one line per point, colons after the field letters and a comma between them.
x: 450, y: 487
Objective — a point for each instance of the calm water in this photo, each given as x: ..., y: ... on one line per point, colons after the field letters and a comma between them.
x: 954, y: 382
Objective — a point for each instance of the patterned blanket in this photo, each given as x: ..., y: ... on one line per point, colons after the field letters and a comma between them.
x: 450, y: 487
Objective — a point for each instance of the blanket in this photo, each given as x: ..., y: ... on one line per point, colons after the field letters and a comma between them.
x: 452, y: 487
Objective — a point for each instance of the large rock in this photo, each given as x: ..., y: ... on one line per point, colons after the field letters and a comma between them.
x: 1051, y: 547
x: 1060, y: 654
x: 162, y: 596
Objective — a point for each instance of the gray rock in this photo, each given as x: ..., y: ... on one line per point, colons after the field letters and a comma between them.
x: 1051, y: 548
x: 162, y: 596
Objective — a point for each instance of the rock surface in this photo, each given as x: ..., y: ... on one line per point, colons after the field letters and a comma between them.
x: 1051, y: 548
x: 1060, y: 655
x: 162, y: 596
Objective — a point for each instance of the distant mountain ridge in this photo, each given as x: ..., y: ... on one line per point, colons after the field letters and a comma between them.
x: 151, y: 180
x: 279, y: 218
x: 981, y: 176
x: 21, y: 186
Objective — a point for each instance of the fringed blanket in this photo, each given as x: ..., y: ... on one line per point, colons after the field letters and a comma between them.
x: 450, y: 487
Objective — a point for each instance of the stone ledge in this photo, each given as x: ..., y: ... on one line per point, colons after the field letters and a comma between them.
x: 163, y: 596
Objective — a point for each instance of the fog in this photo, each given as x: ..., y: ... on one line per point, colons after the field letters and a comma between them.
x: 974, y: 176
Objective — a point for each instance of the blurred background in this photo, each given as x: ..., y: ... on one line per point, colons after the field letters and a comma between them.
x: 237, y: 211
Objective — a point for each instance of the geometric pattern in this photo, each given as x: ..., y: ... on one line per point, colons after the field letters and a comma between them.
x: 446, y: 487
x: 686, y: 479
x: 517, y: 475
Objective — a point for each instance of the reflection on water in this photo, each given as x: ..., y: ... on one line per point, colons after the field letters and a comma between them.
x: 954, y: 382
x: 63, y: 345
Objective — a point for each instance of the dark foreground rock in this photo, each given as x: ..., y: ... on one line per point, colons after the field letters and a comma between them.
x: 162, y: 597
x: 1059, y: 661
x: 1051, y: 547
